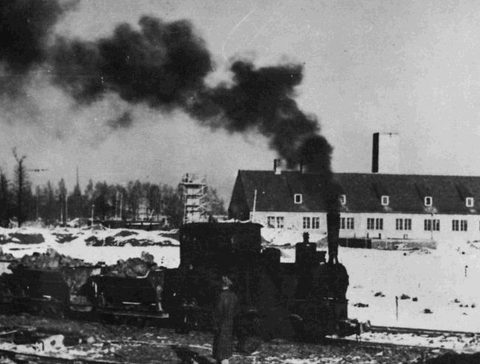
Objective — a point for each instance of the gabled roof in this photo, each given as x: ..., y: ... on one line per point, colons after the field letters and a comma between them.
x: 363, y: 192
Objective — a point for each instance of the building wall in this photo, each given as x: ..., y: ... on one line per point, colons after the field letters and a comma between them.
x: 417, y: 231
x: 294, y: 220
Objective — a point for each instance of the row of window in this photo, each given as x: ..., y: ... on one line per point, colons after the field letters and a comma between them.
x: 406, y: 224
x: 348, y: 223
x: 311, y: 223
x: 385, y: 200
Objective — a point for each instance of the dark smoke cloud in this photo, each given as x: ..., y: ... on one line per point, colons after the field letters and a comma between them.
x: 164, y: 65
x: 25, y: 26
x: 161, y: 64
x: 260, y: 99
x: 315, y: 153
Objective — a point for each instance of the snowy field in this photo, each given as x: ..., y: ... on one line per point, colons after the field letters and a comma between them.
x: 436, y: 289
x: 163, y: 247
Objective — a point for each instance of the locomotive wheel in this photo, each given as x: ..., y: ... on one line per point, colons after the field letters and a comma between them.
x: 249, y: 344
x: 141, y: 322
x: 52, y: 310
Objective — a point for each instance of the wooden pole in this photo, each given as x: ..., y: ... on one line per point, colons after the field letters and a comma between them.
x: 396, y: 307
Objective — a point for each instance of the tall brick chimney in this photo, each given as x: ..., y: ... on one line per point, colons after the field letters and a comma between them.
x: 385, y: 156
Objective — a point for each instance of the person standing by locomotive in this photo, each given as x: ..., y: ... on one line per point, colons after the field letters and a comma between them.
x: 223, y: 317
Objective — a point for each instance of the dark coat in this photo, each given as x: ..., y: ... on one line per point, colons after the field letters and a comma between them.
x: 223, y: 316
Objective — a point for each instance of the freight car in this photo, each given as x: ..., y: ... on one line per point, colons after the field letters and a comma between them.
x: 83, y: 292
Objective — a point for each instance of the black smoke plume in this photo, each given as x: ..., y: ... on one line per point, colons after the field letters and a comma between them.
x: 164, y: 65
x: 161, y: 64
x: 260, y: 99
x: 315, y: 153
x: 25, y: 27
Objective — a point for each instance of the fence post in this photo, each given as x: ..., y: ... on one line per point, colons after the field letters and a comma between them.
x: 396, y: 307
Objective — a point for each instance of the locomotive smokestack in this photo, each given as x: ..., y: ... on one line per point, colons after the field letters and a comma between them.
x: 333, y: 227
x: 277, y: 166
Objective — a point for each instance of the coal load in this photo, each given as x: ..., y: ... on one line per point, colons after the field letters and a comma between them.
x: 50, y: 260
x: 74, y: 272
x: 5, y: 256
x: 132, y: 267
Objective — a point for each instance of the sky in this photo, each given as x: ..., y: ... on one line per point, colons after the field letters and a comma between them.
x: 411, y: 67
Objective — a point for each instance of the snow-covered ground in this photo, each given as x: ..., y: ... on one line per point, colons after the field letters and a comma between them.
x: 440, y: 287
x: 444, y: 282
x: 167, y: 256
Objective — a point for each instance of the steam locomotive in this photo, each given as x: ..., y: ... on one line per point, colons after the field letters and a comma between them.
x: 305, y: 299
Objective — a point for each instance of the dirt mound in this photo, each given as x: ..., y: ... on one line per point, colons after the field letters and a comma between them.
x: 64, y: 238
x: 124, y: 233
x: 117, y: 240
x: 20, y: 238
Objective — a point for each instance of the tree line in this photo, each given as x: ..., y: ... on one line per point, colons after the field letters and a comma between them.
x: 52, y: 203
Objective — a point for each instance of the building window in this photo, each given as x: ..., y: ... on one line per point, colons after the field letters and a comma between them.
x: 407, y: 224
x: 315, y: 223
x: 399, y: 224
x: 280, y: 222
x: 385, y: 200
x: 428, y: 201
x: 469, y: 201
x: 432, y: 225
x: 347, y: 223
x: 350, y: 223
x: 459, y: 225
x: 343, y: 199
x: 374, y: 224
x: 370, y: 223
x: 455, y: 225
x: 297, y: 198
x: 403, y: 224
x: 306, y: 223
x: 271, y: 221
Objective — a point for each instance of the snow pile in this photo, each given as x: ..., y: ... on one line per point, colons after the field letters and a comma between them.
x: 162, y: 245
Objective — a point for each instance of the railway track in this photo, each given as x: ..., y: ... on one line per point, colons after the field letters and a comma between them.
x: 347, y: 344
x: 419, y: 331
x: 396, y: 339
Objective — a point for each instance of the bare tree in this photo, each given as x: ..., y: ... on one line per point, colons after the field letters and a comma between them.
x: 5, y: 202
x: 21, y: 182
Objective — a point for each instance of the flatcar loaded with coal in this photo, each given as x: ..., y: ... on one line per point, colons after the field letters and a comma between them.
x: 305, y: 299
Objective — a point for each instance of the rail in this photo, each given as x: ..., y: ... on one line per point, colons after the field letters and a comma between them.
x: 420, y: 331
